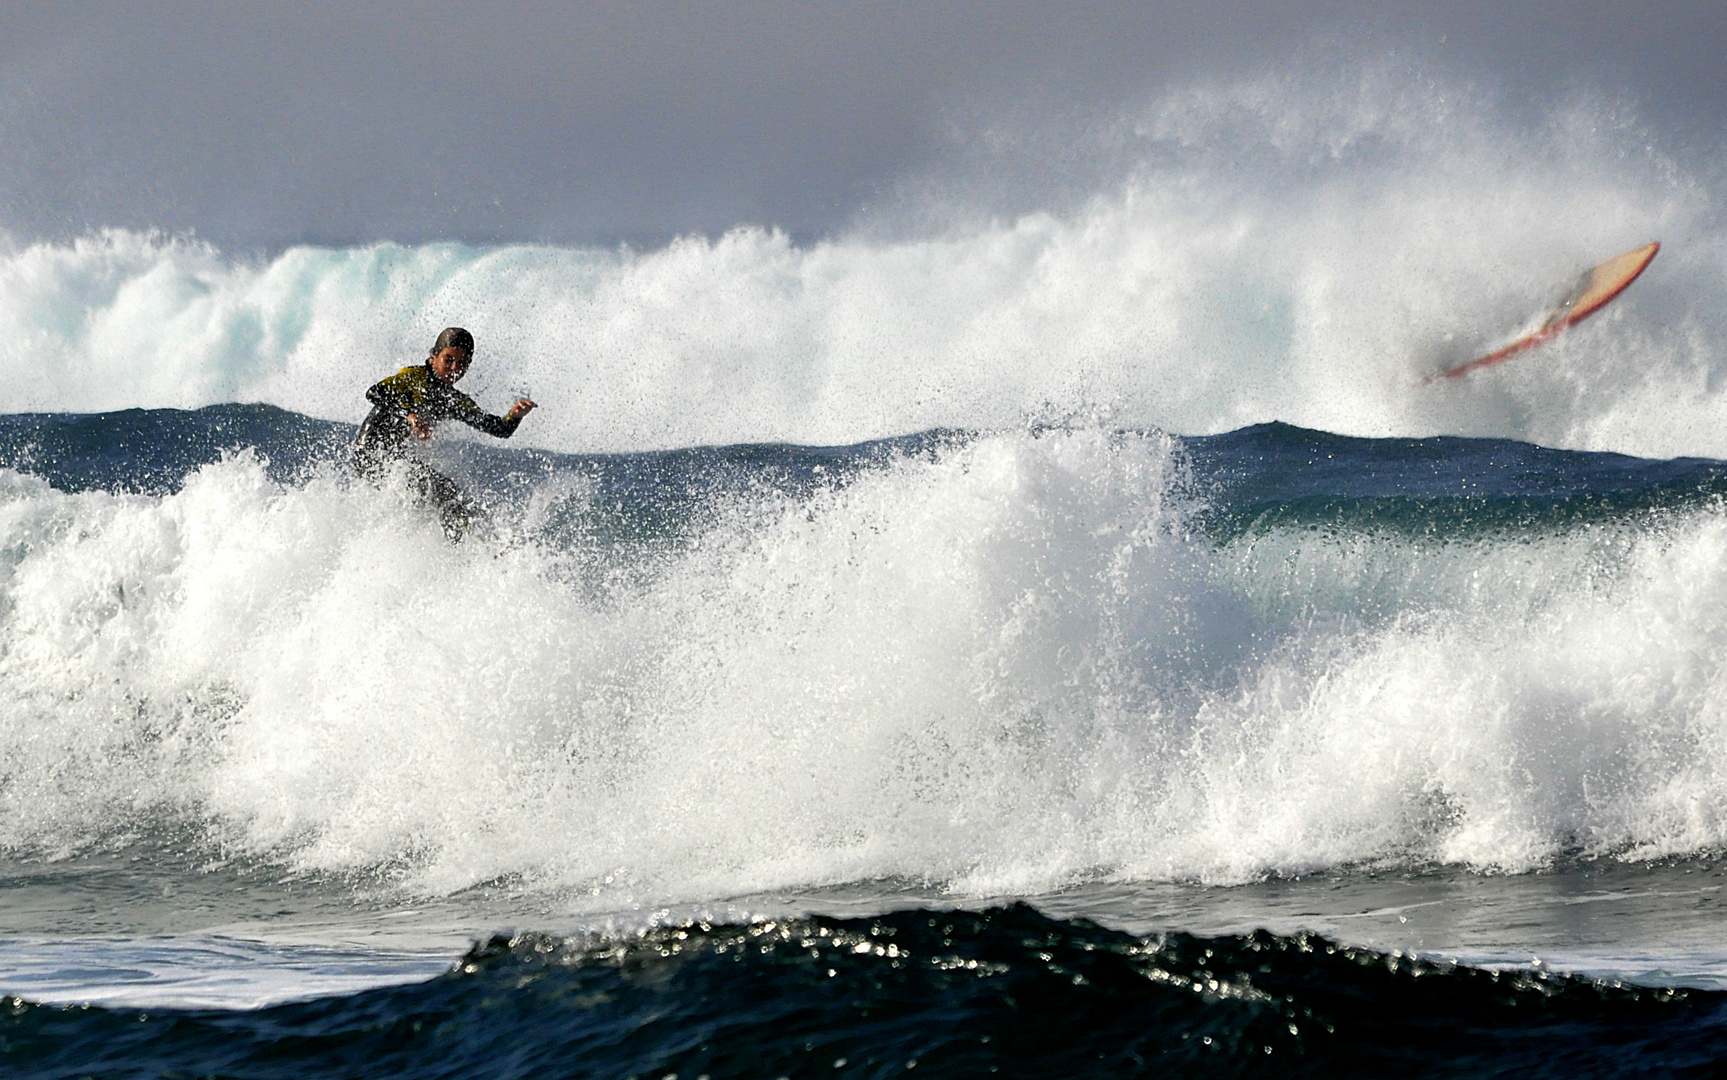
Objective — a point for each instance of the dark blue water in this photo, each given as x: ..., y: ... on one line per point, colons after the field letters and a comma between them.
x: 1256, y: 478
x: 1274, y: 475
x: 1003, y: 990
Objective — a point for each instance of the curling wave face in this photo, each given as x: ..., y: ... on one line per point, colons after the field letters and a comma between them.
x: 989, y: 663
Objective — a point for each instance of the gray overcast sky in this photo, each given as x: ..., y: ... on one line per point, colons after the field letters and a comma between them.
x: 259, y: 125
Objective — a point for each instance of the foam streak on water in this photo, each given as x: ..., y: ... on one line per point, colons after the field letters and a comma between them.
x: 209, y: 973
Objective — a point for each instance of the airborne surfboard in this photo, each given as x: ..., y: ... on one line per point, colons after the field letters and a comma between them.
x: 1591, y: 293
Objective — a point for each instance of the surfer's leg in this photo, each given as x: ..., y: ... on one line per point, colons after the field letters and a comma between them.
x: 367, y: 465
x: 455, y: 510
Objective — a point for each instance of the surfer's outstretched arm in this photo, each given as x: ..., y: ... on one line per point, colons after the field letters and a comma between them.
x: 501, y: 427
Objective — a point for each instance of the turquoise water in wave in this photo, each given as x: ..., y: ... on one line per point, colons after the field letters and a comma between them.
x: 1062, y: 749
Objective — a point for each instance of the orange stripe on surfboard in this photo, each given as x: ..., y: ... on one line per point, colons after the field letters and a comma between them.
x: 1594, y: 289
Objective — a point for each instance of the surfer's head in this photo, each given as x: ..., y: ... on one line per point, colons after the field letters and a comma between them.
x: 454, y: 337
x: 451, y: 354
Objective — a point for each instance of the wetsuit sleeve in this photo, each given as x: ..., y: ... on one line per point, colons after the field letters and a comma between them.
x: 469, y: 413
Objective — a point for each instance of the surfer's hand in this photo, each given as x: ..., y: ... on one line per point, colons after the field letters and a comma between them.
x: 422, y: 430
x: 520, y: 409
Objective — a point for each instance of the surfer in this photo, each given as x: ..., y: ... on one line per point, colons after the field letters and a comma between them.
x: 408, y: 405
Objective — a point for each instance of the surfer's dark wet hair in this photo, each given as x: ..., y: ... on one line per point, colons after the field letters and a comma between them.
x: 453, y: 337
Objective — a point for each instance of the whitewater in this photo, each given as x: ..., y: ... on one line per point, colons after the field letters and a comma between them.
x: 1102, y: 544
x: 1005, y: 664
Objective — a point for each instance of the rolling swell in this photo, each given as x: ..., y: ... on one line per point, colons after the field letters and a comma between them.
x: 924, y: 993
x: 152, y: 451
x: 1254, y: 480
x: 1439, y: 489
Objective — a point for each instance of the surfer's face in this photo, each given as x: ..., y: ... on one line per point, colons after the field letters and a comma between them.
x: 450, y: 364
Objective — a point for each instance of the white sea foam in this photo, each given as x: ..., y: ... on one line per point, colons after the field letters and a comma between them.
x: 1003, y: 668
x: 1296, y: 248
x: 200, y: 972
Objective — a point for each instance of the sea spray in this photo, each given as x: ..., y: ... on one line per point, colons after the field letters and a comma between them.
x: 329, y: 678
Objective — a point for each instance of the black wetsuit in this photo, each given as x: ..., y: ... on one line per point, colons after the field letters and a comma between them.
x: 386, y: 438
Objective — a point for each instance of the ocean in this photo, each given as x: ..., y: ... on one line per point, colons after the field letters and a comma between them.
x: 1066, y: 639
